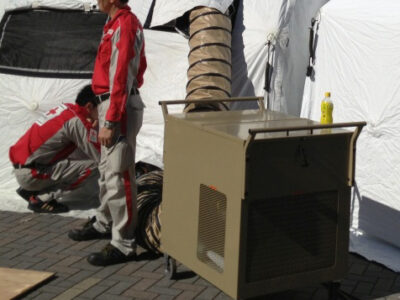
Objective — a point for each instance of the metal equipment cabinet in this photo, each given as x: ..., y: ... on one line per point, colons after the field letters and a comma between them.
x: 257, y: 201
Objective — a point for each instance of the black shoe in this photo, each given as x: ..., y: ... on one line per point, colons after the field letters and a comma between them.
x: 51, y: 207
x: 88, y: 232
x: 26, y: 194
x: 110, y: 255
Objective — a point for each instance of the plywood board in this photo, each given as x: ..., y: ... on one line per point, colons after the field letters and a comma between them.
x: 14, y: 282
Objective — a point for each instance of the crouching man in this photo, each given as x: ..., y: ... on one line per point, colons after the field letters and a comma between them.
x: 42, y: 158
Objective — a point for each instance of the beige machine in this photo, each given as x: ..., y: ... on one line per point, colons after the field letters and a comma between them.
x: 257, y: 201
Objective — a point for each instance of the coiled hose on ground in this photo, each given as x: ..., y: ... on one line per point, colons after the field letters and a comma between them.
x: 210, y: 67
x: 149, y: 195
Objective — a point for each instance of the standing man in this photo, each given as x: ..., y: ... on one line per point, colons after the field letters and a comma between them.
x: 42, y: 159
x: 118, y: 73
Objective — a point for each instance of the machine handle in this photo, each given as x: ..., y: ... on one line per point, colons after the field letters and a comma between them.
x: 164, y: 104
x: 352, y: 154
x: 254, y: 132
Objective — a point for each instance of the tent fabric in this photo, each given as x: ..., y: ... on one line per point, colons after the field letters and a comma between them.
x: 165, y: 79
x: 274, y: 31
x: 168, y: 10
x: 256, y: 22
x: 296, y: 57
x: 141, y: 8
x: 67, y: 51
x: 56, y: 4
x: 357, y: 60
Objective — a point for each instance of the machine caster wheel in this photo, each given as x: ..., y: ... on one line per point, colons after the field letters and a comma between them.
x: 170, y: 266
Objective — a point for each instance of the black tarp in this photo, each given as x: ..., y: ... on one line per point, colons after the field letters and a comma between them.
x: 50, y: 43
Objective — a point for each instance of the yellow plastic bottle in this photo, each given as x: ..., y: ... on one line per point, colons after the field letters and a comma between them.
x: 326, y: 109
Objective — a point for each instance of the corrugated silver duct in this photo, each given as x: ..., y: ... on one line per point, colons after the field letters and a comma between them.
x: 209, y: 73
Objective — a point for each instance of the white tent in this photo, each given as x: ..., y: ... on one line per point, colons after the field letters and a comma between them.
x: 357, y: 59
x: 167, y: 10
x: 283, y: 23
x: 22, y: 98
x: 273, y: 31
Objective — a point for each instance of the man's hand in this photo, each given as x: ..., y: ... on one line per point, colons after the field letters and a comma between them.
x: 105, y: 136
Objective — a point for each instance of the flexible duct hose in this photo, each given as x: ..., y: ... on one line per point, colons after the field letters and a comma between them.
x: 209, y: 77
x: 209, y: 73
x: 148, y: 230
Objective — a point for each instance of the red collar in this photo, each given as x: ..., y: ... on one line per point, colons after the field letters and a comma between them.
x: 123, y: 10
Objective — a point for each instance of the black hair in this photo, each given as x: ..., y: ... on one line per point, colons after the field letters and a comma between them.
x: 86, y: 95
x: 123, y: 1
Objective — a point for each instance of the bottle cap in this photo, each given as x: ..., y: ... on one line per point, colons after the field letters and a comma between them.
x: 327, y: 94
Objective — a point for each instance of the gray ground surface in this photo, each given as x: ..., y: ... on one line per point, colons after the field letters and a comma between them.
x: 40, y: 242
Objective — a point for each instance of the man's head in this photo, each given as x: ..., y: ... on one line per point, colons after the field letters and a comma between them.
x: 87, y: 99
x: 110, y: 7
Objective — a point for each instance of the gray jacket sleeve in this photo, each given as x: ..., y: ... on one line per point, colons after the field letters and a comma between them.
x: 85, y: 139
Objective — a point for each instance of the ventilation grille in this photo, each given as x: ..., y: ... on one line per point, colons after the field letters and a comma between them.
x: 212, y: 220
x: 289, y: 235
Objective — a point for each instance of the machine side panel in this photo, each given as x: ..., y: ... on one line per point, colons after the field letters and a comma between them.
x: 295, y: 214
x: 198, y: 162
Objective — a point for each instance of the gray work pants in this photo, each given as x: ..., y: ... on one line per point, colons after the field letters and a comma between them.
x: 58, y: 179
x: 117, y: 181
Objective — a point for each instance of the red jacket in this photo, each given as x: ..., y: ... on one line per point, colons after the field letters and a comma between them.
x: 120, y: 61
x: 55, y: 136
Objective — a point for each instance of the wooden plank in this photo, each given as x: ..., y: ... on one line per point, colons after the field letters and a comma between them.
x: 14, y: 282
